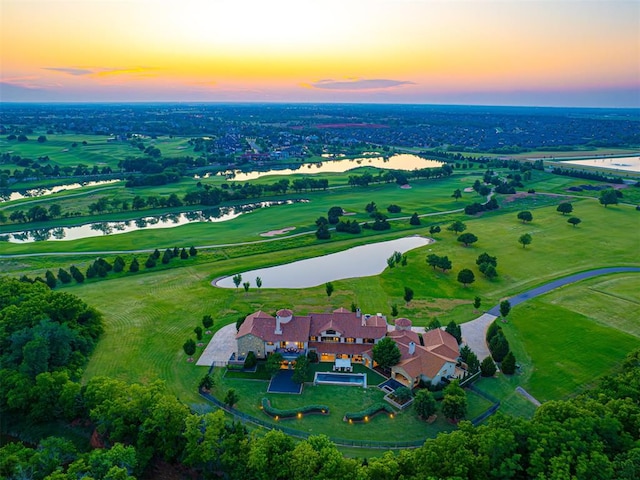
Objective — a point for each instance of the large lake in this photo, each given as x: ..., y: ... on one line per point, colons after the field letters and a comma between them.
x: 362, y: 261
x: 170, y: 220
x: 405, y: 162
x: 622, y: 164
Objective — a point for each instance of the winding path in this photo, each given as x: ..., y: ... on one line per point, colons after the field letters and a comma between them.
x: 473, y: 332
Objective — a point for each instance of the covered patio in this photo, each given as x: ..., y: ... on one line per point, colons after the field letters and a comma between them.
x: 342, y: 364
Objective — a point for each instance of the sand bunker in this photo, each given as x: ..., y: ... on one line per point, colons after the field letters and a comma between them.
x: 273, y: 233
x: 468, y: 189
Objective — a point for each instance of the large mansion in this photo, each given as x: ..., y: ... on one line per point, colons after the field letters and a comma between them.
x: 343, y: 334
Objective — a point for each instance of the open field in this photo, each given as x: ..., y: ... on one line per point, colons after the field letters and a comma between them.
x: 149, y: 315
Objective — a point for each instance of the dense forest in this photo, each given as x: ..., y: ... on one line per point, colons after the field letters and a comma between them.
x: 139, y: 430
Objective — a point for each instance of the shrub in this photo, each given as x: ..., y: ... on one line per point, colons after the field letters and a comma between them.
x: 364, y: 415
x: 509, y: 364
x: 292, y: 412
x: 312, y: 356
x: 250, y: 361
x: 487, y: 367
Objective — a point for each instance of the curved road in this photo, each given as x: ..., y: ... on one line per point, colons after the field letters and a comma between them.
x: 473, y: 332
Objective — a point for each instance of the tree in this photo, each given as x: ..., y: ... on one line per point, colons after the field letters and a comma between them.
x: 323, y: 233
x: 525, y: 239
x: 192, y: 251
x: 50, y: 278
x: 118, y: 264
x: 64, y: 276
x: 258, y: 283
x: 134, y: 266
x: 488, y: 367
x: 433, y: 324
x: 207, y: 382
x: 207, y: 321
x: 525, y: 216
x: 457, y: 194
x: 454, y: 403
x: 156, y: 254
x: 237, y: 278
x: 231, y: 398
x: 565, y: 208
x: 488, y: 259
x: 328, y: 287
x: 386, y: 353
x: 467, y: 239
x: 608, y: 197
x: 167, y: 256
x: 433, y: 229
x: 394, y: 310
x: 183, y: 254
x: 457, y: 227
x: 91, y: 271
x: 444, y: 263
x: 370, y: 207
x: 505, y: 308
x: 198, y: 332
x: 414, y: 220
x: 477, y: 301
x: 488, y: 271
x: 301, y: 369
x: 273, y: 363
x: 499, y: 346
x: 466, y: 277
x: 408, y: 295
x: 76, y: 274
x: 246, y: 286
x: 432, y: 260
x: 508, y: 364
x: 574, y: 221
x: 473, y: 364
x: 454, y: 330
x: 42, y: 139
x: 151, y: 261
x: 250, y: 360
x: 424, y: 403
x: 189, y: 347
x: 393, y: 208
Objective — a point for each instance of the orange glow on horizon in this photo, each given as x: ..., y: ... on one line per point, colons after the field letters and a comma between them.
x: 309, y: 49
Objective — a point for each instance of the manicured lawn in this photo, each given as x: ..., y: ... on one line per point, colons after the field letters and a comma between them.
x: 340, y: 399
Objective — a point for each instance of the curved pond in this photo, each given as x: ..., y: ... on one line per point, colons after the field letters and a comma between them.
x: 170, y: 220
x: 41, y: 192
x: 403, y: 161
x: 362, y: 261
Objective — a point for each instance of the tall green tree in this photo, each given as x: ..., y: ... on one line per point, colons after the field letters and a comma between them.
x: 457, y: 227
x: 189, y: 347
x: 608, y: 197
x: 505, y: 308
x: 525, y: 239
x: 488, y: 367
x: 328, y: 287
x: 525, y: 216
x: 565, y: 208
x: 408, y: 295
x: 386, y: 353
x: 415, y: 219
x: 237, y: 279
x: 466, y: 277
x: 134, y: 266
x: 274, y: 361
x: 509, y: 364
x: 301, y: 369
x: 574, y: 221
x: 231, y: 398
x: 457, y: 194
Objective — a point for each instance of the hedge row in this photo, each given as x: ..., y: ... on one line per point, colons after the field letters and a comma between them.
x: 292, y: 412
x: 364, y: 415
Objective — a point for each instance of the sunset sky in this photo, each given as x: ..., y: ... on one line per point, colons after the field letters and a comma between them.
x: 509, y: 52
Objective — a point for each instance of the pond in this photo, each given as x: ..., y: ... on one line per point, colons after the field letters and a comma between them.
x: 621, y: 164
x: 362, y: 261
x: 170, y: 220
x: 41, y: 192
x: 405, y: 162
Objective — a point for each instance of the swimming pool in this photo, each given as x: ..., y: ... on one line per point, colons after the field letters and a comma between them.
x: 348, y: 379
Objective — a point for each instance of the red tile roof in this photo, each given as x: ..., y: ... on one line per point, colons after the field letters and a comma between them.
x: 427, y: 359
x: 263, y: 326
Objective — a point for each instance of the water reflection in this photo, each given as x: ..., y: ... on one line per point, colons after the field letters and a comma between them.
x: 362, y: 261
x: 623, y: 164
x: 41, y: 192
x: 405, y: 162
x: 169, y: 220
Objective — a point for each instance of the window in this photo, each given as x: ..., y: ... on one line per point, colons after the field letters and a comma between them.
x: 313, y: 339
x: 369, y: 340
x: 330, y: 332
x: 270, y: 343
x: 350, y: 340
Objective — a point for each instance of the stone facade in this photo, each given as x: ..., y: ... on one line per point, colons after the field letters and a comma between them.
x: 251, y: 343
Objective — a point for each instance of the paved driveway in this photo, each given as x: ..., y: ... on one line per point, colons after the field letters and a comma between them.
x: 220, y: 347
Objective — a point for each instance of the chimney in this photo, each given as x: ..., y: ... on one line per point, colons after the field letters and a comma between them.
x: 358, y: 313
x: 278, y: 330
x: 412, y: 348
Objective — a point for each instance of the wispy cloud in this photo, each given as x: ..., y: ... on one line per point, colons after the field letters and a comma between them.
x: 70, y: 71
x: 100, y: 71
x: 358, y: 84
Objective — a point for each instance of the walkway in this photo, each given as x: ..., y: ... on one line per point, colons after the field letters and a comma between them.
x: 473, y: 332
